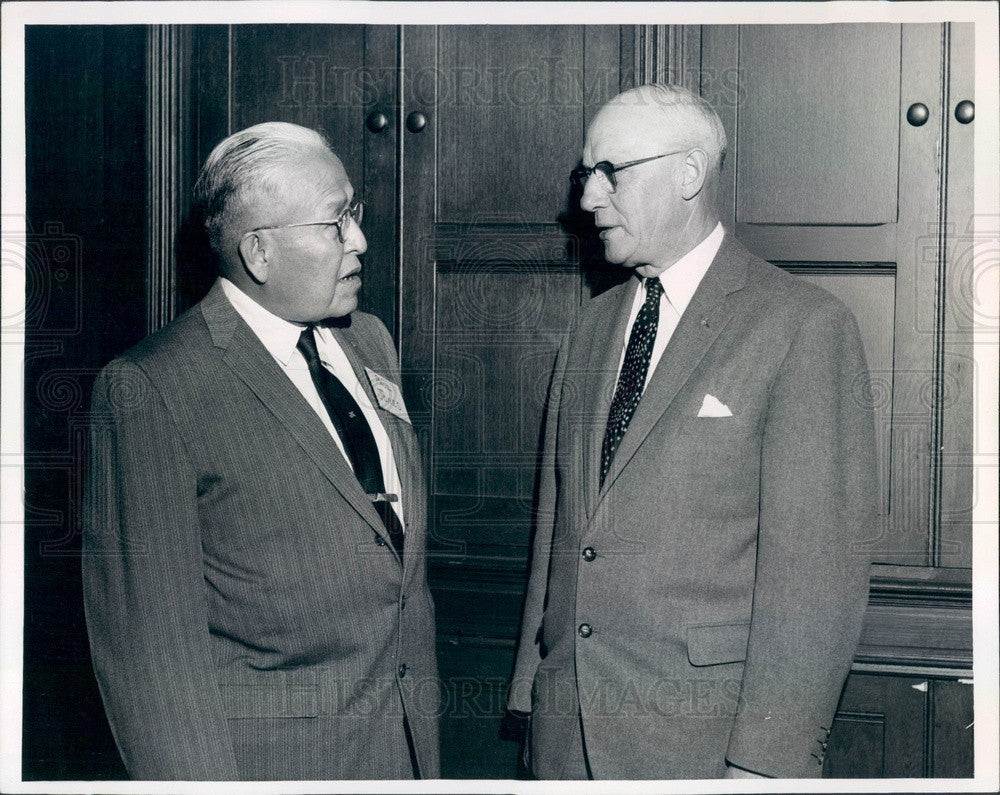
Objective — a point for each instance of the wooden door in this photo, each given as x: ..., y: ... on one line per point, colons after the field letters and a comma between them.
x: 490, y: 278
x: 835, y: 149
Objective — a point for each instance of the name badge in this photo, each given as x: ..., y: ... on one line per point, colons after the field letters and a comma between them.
x: 388, y: 395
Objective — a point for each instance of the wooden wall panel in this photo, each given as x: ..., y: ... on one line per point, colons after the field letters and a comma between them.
x: 509, y: 109
x: 811, y: 149
x: 959, y: 379
x: 475, y: 673
x: 784, y: 95
x: 85, y: 303
x: 953, y: 729
x: 305, y: 74
x: 879, y: 729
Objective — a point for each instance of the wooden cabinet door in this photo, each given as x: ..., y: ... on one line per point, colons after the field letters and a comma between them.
x: 836, y: 138
x: 902, y: 727
x: 494, y: 121
x: 489, y: 281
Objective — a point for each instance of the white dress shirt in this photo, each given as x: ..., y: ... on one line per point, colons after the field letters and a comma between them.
x: 679, y: 282
x: 280, y: 338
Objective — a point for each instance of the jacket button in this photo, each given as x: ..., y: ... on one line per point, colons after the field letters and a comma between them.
x: 402, y: 602
x: 589, y: 554
x: 402, y: 670
x: 585, y: 630
x: 379, y: 540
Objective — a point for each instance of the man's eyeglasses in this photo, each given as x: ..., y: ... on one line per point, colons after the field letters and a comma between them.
x: 605, y: 171
x: 355, y: 211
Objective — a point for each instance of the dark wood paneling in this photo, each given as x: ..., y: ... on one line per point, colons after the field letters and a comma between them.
x: 844, y: 214
x: 510, y: 122
x: 818, y: 132
x: 475, y: 674
x: 209, y: 124
x: 954, y: 732
x: 910, y: 534
x: 84, y: 257
x: 879, y: 729
x: 958, y: 381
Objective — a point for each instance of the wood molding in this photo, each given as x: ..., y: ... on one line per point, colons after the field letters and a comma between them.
x: 667, y: 54
x: 168, y: 153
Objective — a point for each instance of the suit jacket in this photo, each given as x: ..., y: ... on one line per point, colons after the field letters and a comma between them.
x: 727, y: 578
x: 248, y: 617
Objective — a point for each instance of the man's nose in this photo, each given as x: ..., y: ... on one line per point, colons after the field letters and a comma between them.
x: 355, y: 242
x: 594, y: 196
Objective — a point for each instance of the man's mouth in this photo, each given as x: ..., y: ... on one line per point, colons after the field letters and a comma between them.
x: 354, y: 276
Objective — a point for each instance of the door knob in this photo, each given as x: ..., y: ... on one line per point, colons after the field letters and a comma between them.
x: 377, y: 121
x: 416, y: 121
x: 918, y: 114
x: 965, y: 111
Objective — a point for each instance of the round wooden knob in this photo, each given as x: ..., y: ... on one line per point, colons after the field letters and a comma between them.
x: 965, y: 111
x: 377, y: 121
x: 416, y: 121
x: 918, y: 114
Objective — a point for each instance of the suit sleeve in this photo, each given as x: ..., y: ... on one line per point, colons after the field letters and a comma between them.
x: 528, y: 657
x: 817, y: 508
x: 144, y: 588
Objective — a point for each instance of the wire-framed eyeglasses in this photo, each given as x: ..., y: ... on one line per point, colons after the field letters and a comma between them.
x: 355, y: 211
x: 606, y: 170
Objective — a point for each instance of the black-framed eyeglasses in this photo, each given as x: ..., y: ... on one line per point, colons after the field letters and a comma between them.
x: 355, y: 211
x: 606, y: 170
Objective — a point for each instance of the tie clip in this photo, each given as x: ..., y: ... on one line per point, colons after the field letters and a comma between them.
x: 381, y: 497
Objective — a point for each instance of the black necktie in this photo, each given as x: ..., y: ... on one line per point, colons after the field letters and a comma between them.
x: 632, y: 380
x: 354, y: 432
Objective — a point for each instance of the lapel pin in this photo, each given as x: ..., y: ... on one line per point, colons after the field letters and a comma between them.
x: 704, y: 322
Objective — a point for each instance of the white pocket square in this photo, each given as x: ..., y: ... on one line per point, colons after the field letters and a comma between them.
x: 711, y: 406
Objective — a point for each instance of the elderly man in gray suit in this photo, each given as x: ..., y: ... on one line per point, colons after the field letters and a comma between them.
x: 254, y: 567
x: 698, y: 577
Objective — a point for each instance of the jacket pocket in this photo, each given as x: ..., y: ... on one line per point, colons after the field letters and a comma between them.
x: 270, y: 701
x: 715, y: 644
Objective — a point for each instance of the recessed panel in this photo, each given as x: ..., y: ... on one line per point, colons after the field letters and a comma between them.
x: 498, y: 329
x: 305, y: 74
x: 818, y: 124
x: 510, y: 120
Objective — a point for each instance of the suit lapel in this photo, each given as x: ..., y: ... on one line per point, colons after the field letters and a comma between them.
x: 599, y: 387
x: 709, y: 312
x: 247, y: 357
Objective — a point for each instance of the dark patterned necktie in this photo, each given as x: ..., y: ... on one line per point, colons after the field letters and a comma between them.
x: 354, y: 431
x: 632, y: 380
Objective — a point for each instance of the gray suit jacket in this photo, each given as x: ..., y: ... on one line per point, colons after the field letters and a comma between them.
x: 248, y: 617
x: 728, y: 579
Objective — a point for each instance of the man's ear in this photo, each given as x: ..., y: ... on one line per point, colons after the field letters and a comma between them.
x: 254, y: 256
x: 694, y: 174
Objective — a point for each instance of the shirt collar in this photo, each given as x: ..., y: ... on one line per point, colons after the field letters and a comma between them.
x: 279, y: 336
x: 681, y: 280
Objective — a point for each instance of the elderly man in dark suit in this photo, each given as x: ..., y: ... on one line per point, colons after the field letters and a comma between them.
x: 254, y: 566
x: 698, y: 577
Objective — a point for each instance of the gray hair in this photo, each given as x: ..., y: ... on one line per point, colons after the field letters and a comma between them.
x: 685, y: 111
x: 242, y: 168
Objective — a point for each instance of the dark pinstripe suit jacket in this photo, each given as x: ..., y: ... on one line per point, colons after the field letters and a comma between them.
x: 248, y: 618
x: 727, y: 578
